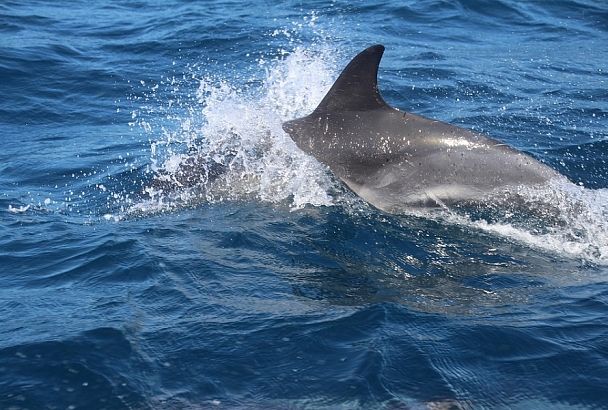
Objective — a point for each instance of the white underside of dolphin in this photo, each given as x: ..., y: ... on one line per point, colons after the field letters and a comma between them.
x: 396, y: 160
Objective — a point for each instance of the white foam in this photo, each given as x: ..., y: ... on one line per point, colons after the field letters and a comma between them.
x: 572, y: 222
x: 18, y: 209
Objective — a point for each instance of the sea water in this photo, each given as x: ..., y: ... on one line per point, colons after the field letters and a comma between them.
x: 268, y: 284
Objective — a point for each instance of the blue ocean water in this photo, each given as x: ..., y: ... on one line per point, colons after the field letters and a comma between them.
x: 274, y: 286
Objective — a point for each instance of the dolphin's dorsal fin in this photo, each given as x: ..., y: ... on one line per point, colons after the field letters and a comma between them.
x: 357, y: 87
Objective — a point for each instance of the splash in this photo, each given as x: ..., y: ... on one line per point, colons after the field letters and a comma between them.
x: 561, y: 218
x: 230, y: 145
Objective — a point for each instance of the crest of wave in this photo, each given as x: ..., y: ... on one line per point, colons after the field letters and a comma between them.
x: 231, y: 145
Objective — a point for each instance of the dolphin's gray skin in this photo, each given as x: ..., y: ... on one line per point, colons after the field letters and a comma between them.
x: 396, y: 160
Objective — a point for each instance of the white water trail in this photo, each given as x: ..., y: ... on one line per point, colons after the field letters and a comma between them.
x: 561, y: 218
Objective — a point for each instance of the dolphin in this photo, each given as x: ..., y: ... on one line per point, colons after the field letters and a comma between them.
x: 397, y: 160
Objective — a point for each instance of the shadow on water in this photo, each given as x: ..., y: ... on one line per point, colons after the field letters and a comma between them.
x: 428, y: 265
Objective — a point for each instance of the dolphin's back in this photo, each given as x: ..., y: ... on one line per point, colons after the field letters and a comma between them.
x: 397, y: 160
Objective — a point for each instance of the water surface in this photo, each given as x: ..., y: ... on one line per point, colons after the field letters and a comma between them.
x: 274, y: 286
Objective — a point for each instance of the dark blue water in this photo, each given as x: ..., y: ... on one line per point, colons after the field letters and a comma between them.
x: 273, y: 286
